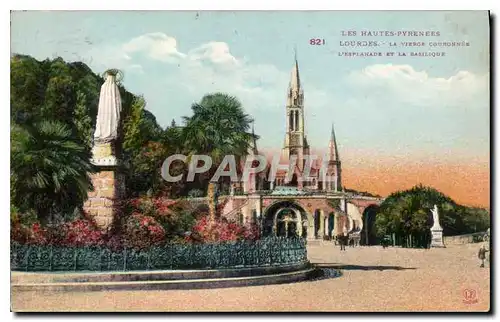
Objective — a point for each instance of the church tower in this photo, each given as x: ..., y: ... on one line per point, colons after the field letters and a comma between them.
x: 295, y: 140
x: 334, y: 166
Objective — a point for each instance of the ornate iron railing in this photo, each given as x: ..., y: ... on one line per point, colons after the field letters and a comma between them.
x: 241, y: 254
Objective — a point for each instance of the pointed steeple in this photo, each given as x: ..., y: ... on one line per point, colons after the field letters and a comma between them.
x: 334, y: 152
x: 295, y: 78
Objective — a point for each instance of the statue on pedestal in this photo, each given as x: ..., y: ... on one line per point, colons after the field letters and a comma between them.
x: 109, y: 110
x: 436, y: 229
x: 109, y: 181
x: 108, y: 120
x: 435, y: 217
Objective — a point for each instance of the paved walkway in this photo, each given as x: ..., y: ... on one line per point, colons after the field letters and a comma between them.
x: 374, y: 279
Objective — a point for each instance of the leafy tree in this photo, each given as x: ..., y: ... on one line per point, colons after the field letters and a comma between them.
x: 143, y: 149
x: 218, y: 127
x: 49, y: 169
x: 408, y: 212
x: 27, y: 88
x: 133, y: 138
x: 145, y: 170
x: 87, y: 102
x: 82, y: 119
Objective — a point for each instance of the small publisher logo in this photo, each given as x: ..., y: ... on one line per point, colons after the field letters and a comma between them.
x: 470, y: 296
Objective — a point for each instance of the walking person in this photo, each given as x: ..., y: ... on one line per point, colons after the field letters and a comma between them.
x: 345, y: 240
x: 482, y: 255
x: 341, y: 241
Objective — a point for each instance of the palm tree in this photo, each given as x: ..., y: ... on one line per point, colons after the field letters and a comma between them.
x: 218, y: 127
x: 50, y: 169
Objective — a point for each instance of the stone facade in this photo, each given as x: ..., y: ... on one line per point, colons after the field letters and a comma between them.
x: 319, y: 215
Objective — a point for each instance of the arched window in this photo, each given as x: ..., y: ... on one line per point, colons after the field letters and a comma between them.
x: 296, y: 127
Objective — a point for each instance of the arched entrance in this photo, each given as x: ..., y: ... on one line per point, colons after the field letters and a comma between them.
x: 369, y: 234
x: 288, y: 223
x: 285, y: 219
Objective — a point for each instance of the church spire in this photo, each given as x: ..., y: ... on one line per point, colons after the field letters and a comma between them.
x: 295, y: 79
x: 334, y: 152
x: 334, y: 166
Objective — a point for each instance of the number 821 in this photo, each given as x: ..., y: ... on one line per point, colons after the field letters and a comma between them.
x: 316, y: 41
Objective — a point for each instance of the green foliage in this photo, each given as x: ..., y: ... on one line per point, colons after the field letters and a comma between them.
x: 408, y: 212
x: 54, y: 90
x: 82, y: 119
x: 27, y: 88
x: 218, y: 127
x: 145, y: 169
x: 140, y: 127
x: 49, y: 169
x: 133, y: 139
x: 143, y: 151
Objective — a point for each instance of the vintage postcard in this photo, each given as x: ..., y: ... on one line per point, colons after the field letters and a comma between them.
x: 227, y: 161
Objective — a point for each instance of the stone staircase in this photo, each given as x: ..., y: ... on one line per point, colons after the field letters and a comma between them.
x: 160, y: 280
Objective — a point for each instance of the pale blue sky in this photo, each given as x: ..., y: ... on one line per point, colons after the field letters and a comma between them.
x: 408, y: 106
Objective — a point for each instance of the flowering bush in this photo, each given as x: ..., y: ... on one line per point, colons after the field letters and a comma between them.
x: 222, y: 230
x: 146, y: 222
x: 143, y: 231
x: 175, y: 216
x: 20, y: 233
x: 151, y: 206
x: 75, y: 233
x: 81, y: 233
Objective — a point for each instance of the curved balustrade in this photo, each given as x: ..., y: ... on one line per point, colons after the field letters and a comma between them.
x: 273, y: 251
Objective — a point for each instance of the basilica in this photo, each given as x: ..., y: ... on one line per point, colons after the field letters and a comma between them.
x: 306, y: 196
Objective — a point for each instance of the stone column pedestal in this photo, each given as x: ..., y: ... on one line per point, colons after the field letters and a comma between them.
x: 437, y: 237
x: 109, y: 187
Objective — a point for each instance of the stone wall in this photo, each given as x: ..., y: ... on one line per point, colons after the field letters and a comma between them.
x: 464, y: 239
x: 102, y: 202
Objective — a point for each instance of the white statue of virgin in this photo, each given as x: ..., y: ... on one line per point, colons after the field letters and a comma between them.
x: 435, y: 217
x: 109, y: 110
